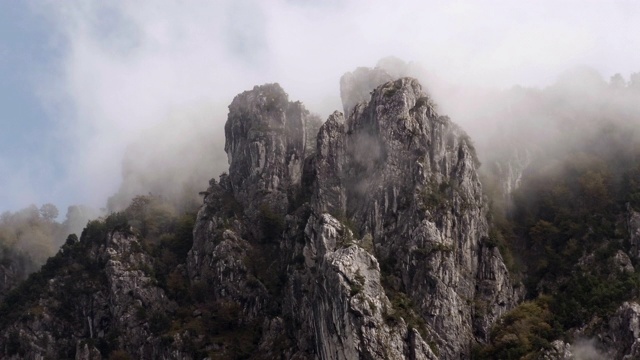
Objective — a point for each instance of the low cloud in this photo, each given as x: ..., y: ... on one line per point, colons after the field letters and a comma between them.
x: 127, y: 67
x: 586, y: 350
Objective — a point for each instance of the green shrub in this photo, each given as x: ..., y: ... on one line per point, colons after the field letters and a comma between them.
x: 521, y: 332
x: 119, y: 355
x: 272, y: 224
x: 159, y: 322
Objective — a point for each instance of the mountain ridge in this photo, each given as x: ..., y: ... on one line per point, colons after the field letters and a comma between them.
x: 321, y: 255
x: 372, y: 235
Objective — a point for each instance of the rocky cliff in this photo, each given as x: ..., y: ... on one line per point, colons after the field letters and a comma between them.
x: 373, y: 245
x: 389, y: 257
x: 10, y: 276
x: 94, y: 296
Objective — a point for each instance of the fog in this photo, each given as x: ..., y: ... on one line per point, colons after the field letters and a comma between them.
x: 584, y: 349
x: 153, y: 80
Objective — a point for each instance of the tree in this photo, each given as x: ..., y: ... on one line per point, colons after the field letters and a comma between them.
x: 617, y: 82
x: 72, y: 239
x: 49, y: 212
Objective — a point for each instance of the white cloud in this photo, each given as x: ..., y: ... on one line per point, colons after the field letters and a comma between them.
x: 126, y: 65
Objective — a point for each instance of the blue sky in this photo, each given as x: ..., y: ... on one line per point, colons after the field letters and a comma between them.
x: 28, y: 155
x: 81, y: 80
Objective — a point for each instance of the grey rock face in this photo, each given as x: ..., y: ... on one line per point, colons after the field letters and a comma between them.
x: 413, y: 185
x: 265, y: 143
x: 388, y: 260
x: 329, y: 193
x: 622, y: 261
x: 633, y: 224
x: 10, y: 277
x: 346, y: 311
x: 509, y: 172
x: 86, y: 352
x: 621, y: 338
x: 266, y: 150
x: 559, y: 351
x: 220, y: 255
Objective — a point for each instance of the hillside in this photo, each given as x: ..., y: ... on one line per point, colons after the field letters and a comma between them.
x: 372, y: 236
x: 373, y: 245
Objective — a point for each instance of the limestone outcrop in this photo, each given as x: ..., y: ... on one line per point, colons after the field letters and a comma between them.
x: 390, y: 255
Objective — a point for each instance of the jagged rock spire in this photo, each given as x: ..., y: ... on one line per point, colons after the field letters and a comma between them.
x: 265, y: 144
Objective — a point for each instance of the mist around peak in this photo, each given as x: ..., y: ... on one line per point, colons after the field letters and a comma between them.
x: 115, y: 70
x: 136, y: 96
